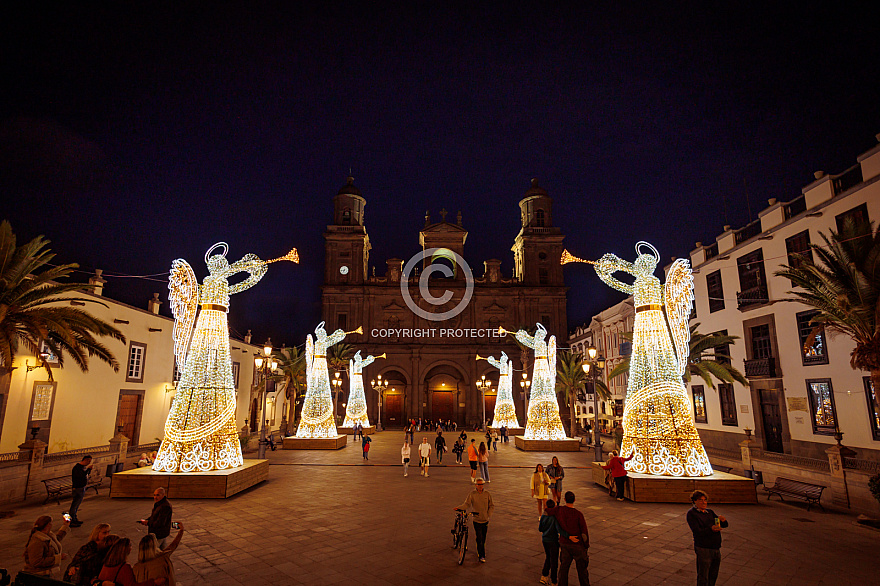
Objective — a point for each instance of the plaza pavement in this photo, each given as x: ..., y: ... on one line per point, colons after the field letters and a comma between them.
x: 329, y: 518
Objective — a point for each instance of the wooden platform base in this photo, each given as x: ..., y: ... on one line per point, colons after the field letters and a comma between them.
x: 350, y: 430
x: 511, y: 431
x: 532, y: 445
x: 324, y: 443
x: 721, y: 487
x: 217, y: 484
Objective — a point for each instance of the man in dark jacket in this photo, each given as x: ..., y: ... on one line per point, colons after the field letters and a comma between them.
x: 80, y: 478
x: 159, y: 522
x: 706, y: 527
x: 574, y: 541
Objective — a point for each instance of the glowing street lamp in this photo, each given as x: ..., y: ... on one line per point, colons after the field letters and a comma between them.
x: 592, y: 366
x: 265, y: 365
x: 484, y: 385
x: 379, y: 385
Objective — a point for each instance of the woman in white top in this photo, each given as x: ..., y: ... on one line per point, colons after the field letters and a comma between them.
x: 539, y: 484
x: 404, y: 456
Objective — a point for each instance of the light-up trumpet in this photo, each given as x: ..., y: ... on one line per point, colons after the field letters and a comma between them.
x: 568, y: 257
x: 481, y: 357
x: 360, y: 330
x: 292, y: 256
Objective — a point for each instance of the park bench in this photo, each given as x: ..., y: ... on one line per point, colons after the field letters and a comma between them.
x: 797, y: 489
x: 55, y: 487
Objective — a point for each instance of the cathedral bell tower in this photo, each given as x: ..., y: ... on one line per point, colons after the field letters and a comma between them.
x: 347, y: 246
x: 538, y: 246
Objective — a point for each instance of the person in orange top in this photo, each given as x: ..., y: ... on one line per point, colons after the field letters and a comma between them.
x: 618, y: 472
x: 473, y: 459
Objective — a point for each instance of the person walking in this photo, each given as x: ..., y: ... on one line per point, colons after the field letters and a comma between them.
x: 405, y: 452
x: 494, y: 439
x: 440, y: 446
x: 79, y: 477
x: 539, y: 482
x: 473, y: 459
x: 154, y: 562
x: 412, y: 433
x: 483, y: 460
x: 87, y: 561
x: 159, y: 521
x: 481, y: 502
x: 706, y: 527
x: 365, y: 445
x: 556, y: 473
x: 458, y: 450
x: 618, y: 472
x: 424, y: 456
x: 550, y: 540
x: 574, y: 541
x: 43, y: 552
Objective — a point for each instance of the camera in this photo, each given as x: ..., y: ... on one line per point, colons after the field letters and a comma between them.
x: 66, y: 516
x: 175, y: 525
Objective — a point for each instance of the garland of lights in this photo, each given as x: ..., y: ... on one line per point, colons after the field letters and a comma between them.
x: 505, y: 413
x: 200, y: 432
x: 543, y: 421
x: 658, y: 425
x: 356, y: 409
x: 317, y: 413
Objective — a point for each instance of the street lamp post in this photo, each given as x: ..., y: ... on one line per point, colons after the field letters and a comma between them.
x: 265, y: 365
x: 524, y: 384
x: 484, y: 385
x: 379, y: 385
x: 337, y: 388
x: 592, y: 366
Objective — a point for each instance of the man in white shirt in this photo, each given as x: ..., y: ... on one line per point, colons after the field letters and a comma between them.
x: 424, y: 456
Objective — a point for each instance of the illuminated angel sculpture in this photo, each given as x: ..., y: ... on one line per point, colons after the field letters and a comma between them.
x: 542, y: 421
x: 658, y: 424
x: 317, y: 413
x: 505, y: 413
x: 356, y: 409
x: 200, y: 432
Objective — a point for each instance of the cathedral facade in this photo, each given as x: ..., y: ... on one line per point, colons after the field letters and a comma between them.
x: 432, y: 334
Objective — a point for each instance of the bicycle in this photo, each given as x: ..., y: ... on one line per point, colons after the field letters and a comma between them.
x: 460, y: 534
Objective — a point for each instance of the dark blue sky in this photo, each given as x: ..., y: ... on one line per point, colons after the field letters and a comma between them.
x: 131, y: 136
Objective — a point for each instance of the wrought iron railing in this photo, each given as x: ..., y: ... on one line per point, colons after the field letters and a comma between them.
x: 753, y: 296
x: 10, y: 457
x: 868, y: 466
x: 795, y: 207
x: 748, y: 232
x: 71, y: 454
x: 848, y: 179
x: 758, y: 367
x: 711, y: 251
x: 811, y: 463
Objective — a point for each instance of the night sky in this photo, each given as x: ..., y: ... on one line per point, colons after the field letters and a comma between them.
x: 131, y: 136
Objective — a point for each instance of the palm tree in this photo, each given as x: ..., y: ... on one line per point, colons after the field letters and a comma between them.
x: 572, y: 380
x: 705, y: 359
x: 843, y: 284
x: 35, y: 308
x: 292, y: 364
x: 337, y: 359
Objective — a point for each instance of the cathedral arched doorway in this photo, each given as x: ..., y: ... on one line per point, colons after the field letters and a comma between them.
x: 445, y: 393
x: 395, y: 394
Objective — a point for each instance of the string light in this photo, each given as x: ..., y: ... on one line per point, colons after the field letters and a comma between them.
x: 543, y: 421
x: 505, y: 412
x: 356, y: 410
x: 658, y: 425
x: 200, y: 432
x: 317, y: 413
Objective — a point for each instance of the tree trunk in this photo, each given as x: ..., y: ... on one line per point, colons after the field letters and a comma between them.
x: 573, y: 398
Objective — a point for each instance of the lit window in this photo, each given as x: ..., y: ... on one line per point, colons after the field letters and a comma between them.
x: 822, y: 406
x: 699, y: 404
x: 812, y: 339
x: 874, y: 414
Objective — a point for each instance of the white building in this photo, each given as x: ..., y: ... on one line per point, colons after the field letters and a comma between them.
x: 78, y: 410
x: 799, y: 393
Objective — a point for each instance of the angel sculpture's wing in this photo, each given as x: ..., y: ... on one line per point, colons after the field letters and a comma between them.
x: 184, y: 298
x: 551, y: 356
x: 310, y: 358
x: 679, y: 297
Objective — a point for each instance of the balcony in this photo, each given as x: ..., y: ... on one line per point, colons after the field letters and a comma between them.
x: 761, y: 367
x: 753, y: 296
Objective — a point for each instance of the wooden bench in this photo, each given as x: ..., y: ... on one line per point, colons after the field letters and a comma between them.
x: 55, y: 487
x: 797, y: 489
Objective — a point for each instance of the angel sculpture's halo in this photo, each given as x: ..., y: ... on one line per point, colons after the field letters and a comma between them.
x: 215, y: 247
x: 320, y: 327
x: 650, y: 247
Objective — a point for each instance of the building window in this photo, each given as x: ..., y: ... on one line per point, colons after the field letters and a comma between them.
x: 798, y: 249
x: 715, y: 290
x: 342, y: 321
x: 346, y: 216
x: 175, y: 372
x: 539, y: 218
x: 543, y: 277
x: 812, y: 339
x: 752, y: 280
x: 699, y: 404
x: 46, y: 354
x: 762, y: 346
x: 128, y: 415
x: 728, y: 403
x: 822, y: 406
x: 137, y: 354
x: 857, y: 216
x: 722, y: 351
x: 236, y: 370
x: 872, y: 408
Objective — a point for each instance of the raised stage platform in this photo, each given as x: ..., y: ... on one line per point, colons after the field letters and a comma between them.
x: 325, y: 443
x: 216, y: 484
x: 721, y: 487
x: 350, y: 430
x: 532, y: 445
x: 511, y: 431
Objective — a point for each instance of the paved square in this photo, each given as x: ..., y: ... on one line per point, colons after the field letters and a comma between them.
x: 331, y: 518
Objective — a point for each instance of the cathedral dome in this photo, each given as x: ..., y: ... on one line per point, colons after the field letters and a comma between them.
x: 349, y: 188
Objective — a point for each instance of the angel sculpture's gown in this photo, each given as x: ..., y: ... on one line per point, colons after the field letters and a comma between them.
x: 317, y: 413
x: 505, y: 413
x: 356, y: 409
x: 543, y: 421
x: 200, y: 432
x: 658, y: 424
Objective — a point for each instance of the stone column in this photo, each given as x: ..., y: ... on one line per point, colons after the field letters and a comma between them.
x: 33, y: 451
x: 839, y: 489
x: 750, y: 450
x: 119, y: 445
